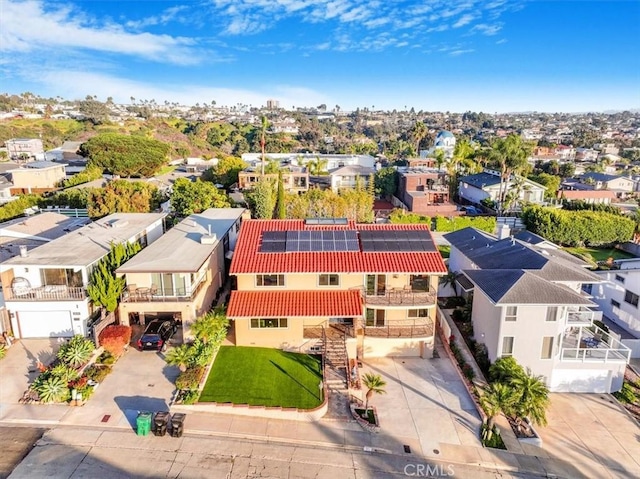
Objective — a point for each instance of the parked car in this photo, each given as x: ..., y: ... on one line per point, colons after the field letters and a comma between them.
x: 157, y: 334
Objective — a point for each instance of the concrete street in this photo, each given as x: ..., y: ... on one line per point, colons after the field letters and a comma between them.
x: 16, y: 443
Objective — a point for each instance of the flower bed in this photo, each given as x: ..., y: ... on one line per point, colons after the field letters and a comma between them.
x: 356, y: 408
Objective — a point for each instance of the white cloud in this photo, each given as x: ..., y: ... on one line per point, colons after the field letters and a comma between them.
x: 486, y: 29
x: 455, y: 53
x: 55, y: 28
x: 464, y: 20
x: 170, y: 14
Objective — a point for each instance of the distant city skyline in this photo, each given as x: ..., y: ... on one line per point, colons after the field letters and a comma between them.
x: 495, y: 56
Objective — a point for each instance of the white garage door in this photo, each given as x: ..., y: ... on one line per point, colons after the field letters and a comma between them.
x: 581, y: 381
x: 45, y: 324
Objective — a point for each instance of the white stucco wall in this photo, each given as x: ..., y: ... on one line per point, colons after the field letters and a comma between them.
x: 625, y: 315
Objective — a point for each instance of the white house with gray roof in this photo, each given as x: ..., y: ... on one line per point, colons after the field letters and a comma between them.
x: 181, y: 274
x: 45, y: 288
x: 528, y: 303
x: 475, y: 188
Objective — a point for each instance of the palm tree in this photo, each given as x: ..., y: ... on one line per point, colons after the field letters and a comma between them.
x: 180, y: 356
x: 418, y: 133
x: 211, y: 328
x: 510, y: 156
x: 450, y: 280
x: 497, y: 398
x: 375, y: 385
x: 264, y: 124
x: 533, y: 397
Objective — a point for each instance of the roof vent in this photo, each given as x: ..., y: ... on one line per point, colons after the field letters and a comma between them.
x: 208, y: 238
x: 23, y: 251
x: 118, y: 223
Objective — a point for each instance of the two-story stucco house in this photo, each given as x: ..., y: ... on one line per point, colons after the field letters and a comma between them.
x: 528, y: 303
x: 475, y: 188
x: 180, y: 275
x: 375, y: 282
x: 45, y: 288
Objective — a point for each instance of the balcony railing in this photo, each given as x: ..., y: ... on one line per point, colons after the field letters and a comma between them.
x: 46, y: 293
x: 147, y: 295
x: 592, y: 344
x: 583, y: 317
x: 402, y: 297
x: 418, y: 328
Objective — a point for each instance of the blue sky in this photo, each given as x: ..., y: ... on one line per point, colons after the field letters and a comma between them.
x: 490, y: 55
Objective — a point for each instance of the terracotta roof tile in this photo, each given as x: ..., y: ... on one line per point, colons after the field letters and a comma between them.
x: 248, y: 260
x: 286, y: 304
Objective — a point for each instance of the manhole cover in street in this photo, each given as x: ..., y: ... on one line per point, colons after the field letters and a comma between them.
x: 407, y: 449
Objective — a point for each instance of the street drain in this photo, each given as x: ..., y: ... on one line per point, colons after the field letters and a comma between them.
x: 106, y: 418
x: 407, y: 449
x: 436, y: 451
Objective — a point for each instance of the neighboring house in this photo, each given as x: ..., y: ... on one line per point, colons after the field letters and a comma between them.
x: 618, y: 295
x: 475, y: 188
x: 37, y: 177
x: 588, y: 196
x: 376, y: 283
x: 183, y: 272
x: 295, y: 178
x: 68, y: 152
x: 445, y: 141
x: 529, y: 303
x: 347, y: 176
x: 331, y: 162
x: 424, y: 190
x: 603, y: 181
x: 45, y: 288
x: 25, y: 149
x: 5, y: 190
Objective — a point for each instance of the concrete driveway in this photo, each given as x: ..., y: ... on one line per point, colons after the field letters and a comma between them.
x: 594, y: 434
x: 140, y: 381
x: 426, y: 406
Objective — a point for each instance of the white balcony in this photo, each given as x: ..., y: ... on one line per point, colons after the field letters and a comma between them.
x: 580, y: 316
x: 592, y: 344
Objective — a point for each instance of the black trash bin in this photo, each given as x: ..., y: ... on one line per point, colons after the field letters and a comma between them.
x: 177, y: 424
x: 160, y: 423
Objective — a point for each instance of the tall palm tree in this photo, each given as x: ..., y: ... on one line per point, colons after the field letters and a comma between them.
x: 264, y: 125
x: 497, y: 398
x: 509, y: 155
x: 533, y: 397
x: 375, y: 385
x: 450, y: 280
x: 418, y: 133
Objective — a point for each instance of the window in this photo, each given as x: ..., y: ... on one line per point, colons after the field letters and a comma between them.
x: 631, y: 298
x: 507, y: 346
x: 552, y: 313
x: 329, y: 280
x: 510, y: 313
x: 615, y: 303
x: 375, y: 317
x: 418, y: 313
x: 620, y: 278
x: 269, y: 323
x: 547, y: 347
x: 270, y: 280
x: 61, y: 277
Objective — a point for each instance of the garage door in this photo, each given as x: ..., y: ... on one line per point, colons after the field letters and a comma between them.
x: 581, y: 381
x: 45, y: 324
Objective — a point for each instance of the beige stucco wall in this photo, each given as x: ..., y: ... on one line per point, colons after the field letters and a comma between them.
x: 37, y: 178
x: 268, y: 337
x: 398, y: 347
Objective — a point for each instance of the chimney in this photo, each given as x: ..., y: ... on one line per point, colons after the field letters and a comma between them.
x: 208, y: 239
x: 209, y: 229
x: 504, y: 231
x: 23, y: 251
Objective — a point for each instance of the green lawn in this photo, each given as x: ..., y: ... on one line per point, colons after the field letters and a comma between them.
x: 445, y: 250
x: 166, y: 169
x: 264, y: 377
x: 599, y: 254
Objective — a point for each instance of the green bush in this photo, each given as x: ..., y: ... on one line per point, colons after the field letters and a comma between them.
x: 77, y: 351
x: 503, y: 370
x: 626, y: 394
x: 53, y: 389
x: 65, y: 372
x: 493, y: 438
x: 190, y: 379
x: 97, y: 373
x: 106, y: 358
x: 189, y: 396
x: 399, y: 216
x: 484, y: 223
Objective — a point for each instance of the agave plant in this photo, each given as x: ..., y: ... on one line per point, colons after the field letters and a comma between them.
x: 64, y: 372
x: 76, y: 352
x: 53, y: 389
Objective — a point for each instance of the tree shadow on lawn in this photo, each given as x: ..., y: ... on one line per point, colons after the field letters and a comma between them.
x: 317, y: 395
x: 312, y: 363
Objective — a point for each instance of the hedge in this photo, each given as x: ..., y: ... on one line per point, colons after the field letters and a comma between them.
x: 484, y: 223
x: 115, y: 338
x: 578, y: 228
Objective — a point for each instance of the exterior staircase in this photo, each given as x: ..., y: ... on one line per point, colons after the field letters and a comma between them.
x: 335, y: 373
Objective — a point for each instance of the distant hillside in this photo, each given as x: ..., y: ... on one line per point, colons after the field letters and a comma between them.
x: 56, y: 132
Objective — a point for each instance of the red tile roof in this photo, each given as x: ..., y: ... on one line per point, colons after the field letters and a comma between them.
x: 287, y: 304
x: 248, y: 260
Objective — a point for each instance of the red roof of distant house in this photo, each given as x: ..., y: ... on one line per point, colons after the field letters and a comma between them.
x: 247, y: 259
x: 286, y: 304
x: 586, y: 194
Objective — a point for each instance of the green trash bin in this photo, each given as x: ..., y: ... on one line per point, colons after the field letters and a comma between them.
x: 143, y: 423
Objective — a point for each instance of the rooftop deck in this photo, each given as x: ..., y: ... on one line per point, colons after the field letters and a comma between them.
x: 592, y: 344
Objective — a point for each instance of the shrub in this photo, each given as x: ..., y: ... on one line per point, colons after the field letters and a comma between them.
x: 468, y: 371
x: 77, y: 351
x: 493, y: 438
x: 97, y: 373
x: 626, y: 394
x: 504, y: 370
x: 190, y: 379
x: 189, y: 396
x: 115, y: 338
x: 106, y: 358
x: 3, y: 351
x: 79, y: 383
x: 53, y: 389
x: 64, y: 372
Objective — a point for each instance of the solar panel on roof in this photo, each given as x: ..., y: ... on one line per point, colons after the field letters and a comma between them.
x: 340, y: 245
x: 304, y: 246
x: 317, y: 245
x: 274, y: 236
x: 291, y: 245
x: 316, y: 235
x: 353, y: 245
